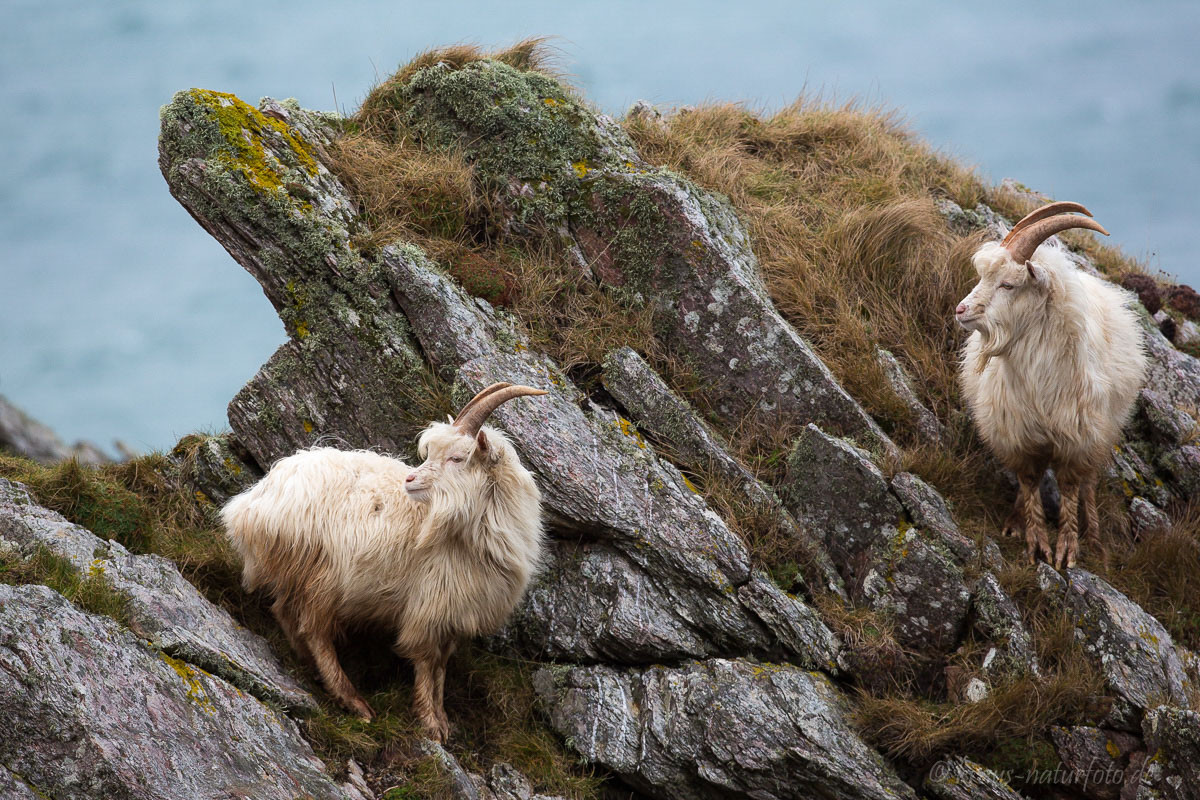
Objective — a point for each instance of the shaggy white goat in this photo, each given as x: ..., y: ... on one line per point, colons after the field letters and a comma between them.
x: 1051, y: 370
x: 435, y: 553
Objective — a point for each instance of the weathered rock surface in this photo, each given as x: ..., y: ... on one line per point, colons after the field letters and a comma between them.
x: 995, y: 617
x: 837, y: 491
x: 669, y: 419
x: 717, y: 729
x: 1103, y: 764
x: 648, y: 234
x: 1172, y: 767
x: 217, y: 466
x: 960, y: 778
x: 926, y: 423
x: 1135, y: 652
x: 25, y: 436
x: 87, y: 711
x: 928, y: 511
x: 14, y: 787
x: 163, y: 606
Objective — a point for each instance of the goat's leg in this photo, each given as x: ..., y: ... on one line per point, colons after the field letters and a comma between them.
x: 1090, y: 523
x: 1015, y: 524
x: 1068, y: 523
x: 1036, y: 542
x: 319, y: 638
x: 440, y: 677
x: 425, y: 700
x: 291, y: 628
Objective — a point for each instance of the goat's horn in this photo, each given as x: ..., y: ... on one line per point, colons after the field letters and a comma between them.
x: 1023, y: 245
x: 469, y: 422
x: 495, y: 387
x: 1048, y: 210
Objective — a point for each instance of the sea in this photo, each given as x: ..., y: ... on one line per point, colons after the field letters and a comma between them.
x: 121, y: 319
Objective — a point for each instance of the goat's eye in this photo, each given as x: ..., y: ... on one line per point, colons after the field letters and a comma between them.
x: 455, y: 459
x: 1006, y: 286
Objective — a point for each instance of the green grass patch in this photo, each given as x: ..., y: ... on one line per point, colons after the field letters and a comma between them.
x: 90, y: 591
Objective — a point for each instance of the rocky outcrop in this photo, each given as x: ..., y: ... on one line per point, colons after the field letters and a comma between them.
x: 1172, y: 766
x: 1103, y: 764
x: 163, y: 607
x: 87, y: 711
x: 649, y: 235
x: 25, y: 436
x: 1135, y: 652
x: 715, y: 729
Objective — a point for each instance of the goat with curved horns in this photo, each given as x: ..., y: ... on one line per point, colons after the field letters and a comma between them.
x: 434, y: 553
x: 1050, y: 371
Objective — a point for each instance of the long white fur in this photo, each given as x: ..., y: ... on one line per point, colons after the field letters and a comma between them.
x: 337, y: 537
x: 1055, y: 364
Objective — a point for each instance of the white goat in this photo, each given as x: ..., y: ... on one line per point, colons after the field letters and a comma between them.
x: 1050, y: 371
x: 435, y: 553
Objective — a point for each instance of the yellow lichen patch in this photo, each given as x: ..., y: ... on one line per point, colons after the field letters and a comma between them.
x: 248, y: 131
x: 233, y: 466
x: 202, y: 498
x: 581, y: 169
x: 189, y: 675
x: 626, y: 427
x: 1112, y: 749
x: 551, y: 102
x: 690, y: 485
x: 308, y: 426
x: 302, y: 329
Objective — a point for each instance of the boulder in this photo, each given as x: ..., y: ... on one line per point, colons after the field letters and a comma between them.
x: 927, y: 426
x: 87, y: 710
x: 1103, y: 764
x: 1172, y: 766
x: 928, y: 511
x: 961, y: 778
x: 995, y: 617
x: 162, y: 605
x: 716, y: 729
x: 14, y: 787
x: 1140, y: 663
x: 668, y: 419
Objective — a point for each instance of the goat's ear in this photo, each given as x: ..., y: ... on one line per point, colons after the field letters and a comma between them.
x: 484, y: 449
x: 1037, y: 273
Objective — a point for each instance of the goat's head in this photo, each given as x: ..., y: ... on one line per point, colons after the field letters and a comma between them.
x: 460, y: 455
x: 1011, y: 285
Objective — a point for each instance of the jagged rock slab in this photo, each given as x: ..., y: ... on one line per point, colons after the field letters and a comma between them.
x: 605, y: 483
x: 961, y: 778
x: 1104, y: 764
x: 648, y: 234
x: 1138, y: 658
x: 928, y: 511
x: 1146, y: 519
x: 834, y: 488
x: 669, y: 418
x: 163, y: 606
x: 218, y: 467
x: 255, y: 180
x: 716, y: 729
x: 996, y: 618
x: 1172, y: 768
x: 926, y: 423
x: 87, y: 711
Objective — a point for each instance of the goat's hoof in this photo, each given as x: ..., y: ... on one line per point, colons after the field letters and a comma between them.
x: 439, y: 731
x: 362, y: 710
x: 1012, y: 530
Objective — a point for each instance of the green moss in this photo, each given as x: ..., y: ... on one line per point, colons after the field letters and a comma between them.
x: 91, y: 592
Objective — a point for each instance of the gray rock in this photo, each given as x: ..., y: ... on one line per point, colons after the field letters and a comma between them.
x: 929, y: 512
x: 25, y: 436
x: 1182, y: 465
x: 1173, y: 375
x: 648, y: 234
x: 1187, y: 333
x: 1168, y: 425
x: 834, y: 488
x: 961, y: 778
x: 668, y: 417
x: 463, y: 784
x: 1139, y: 660
x: 1135, y: 475
x: 350, y: 371
x: 1098, y: 760
x: 14, y: 787
x: 967, y: 221
x: 927, y: 425
x: 1146, y: 518
x: 163, y: 606
x: 1172, y: 768
x: 996, y: 618
x: 218, y: 467
x: 716, y: 729
x: 86, y: 711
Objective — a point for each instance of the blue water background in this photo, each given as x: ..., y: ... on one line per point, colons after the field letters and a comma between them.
x: 121, y: 318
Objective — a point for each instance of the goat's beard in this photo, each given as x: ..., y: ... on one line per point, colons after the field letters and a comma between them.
x: 993, y: 342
